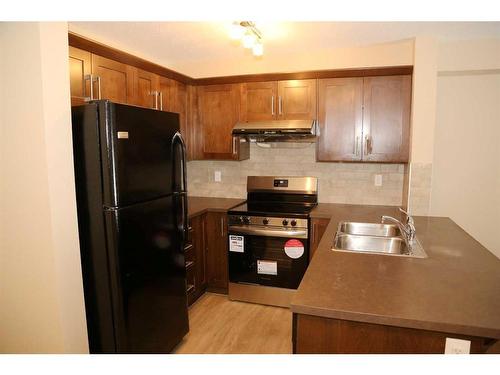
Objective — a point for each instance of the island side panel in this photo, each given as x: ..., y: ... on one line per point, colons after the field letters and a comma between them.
x: 317, y: 335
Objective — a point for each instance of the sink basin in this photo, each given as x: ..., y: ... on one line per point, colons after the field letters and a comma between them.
x: 372, y: 244
x: 369, y: 229
x: 388, y: 242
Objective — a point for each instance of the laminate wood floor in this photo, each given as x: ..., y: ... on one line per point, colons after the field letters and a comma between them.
x: 220, y: 326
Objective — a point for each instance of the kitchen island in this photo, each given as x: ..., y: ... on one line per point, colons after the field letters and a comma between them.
x: 371, y: 303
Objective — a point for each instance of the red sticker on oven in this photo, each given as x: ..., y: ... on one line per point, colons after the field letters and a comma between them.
x: 294, y: 248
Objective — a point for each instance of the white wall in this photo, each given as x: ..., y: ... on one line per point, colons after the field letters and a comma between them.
x: 388, y: 54
x: 466, y: 168
x: 466, y: 163
x: 41, y: 292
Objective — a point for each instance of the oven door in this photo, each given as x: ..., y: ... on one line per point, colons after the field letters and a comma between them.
x: 266, y: 256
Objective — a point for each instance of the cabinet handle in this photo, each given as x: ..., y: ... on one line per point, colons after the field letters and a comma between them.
x: 272, y: 105
x: 280, y: 106
x: 234, y: 145
x: 155, y: 93
x: 90, y: 78
x: 161, y: 100
x: 222, y: 226
x: 98, y: 79
x: 367, y: 145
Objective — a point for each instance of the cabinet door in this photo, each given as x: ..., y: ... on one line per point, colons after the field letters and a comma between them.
x: 164, y: 88
x: 340, y: 118
x: 318, y: 227
x: 259, y: 101
x: 386, y: 118
x: 146, y: 89
x: 297, y: 99
x: 79, y: 66
x: 116, y: 80
x: 216, y: 254
x: 178, y: 104
x: 218, y: 113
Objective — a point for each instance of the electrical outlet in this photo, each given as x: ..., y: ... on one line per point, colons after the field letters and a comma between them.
x: 378, y: 180
x: 456, y: 346
x: 218, y: 176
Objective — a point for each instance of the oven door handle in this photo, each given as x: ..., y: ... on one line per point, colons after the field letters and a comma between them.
x: 267, y: 232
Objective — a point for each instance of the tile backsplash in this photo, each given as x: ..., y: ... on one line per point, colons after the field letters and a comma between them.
x: 338, y: 182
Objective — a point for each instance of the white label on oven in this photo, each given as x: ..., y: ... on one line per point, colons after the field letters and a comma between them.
x: 266, y: 267
x: 294, y: 248
x: 236, y: 244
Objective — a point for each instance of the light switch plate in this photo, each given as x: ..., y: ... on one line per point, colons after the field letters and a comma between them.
x: 456, y: 346
x: 378, y: 180
x: 218, y: 176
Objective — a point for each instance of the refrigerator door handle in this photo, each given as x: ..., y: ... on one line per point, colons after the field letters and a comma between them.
x: 182, y: 188
x: 177, y: 139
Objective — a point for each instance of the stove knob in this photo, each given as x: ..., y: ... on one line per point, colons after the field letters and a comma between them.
x: 246, y: 220
x: 285, y: 222
x: 265, y: 221
x: 293, y: 223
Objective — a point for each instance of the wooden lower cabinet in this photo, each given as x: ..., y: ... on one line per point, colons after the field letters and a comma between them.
x: 318, y: 335
x: 318, y: 227
x: 216, y: 252
x: 206, y: 255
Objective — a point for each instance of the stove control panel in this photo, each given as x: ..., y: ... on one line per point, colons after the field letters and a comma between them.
x: 268, y: 221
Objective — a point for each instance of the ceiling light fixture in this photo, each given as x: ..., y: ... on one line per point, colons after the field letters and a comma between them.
x: 249, y: 34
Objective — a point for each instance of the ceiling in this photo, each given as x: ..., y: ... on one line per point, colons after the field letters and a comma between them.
x: 173, y: 44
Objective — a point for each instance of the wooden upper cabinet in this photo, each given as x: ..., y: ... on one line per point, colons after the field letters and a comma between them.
x: 364, y: 119
x: 258, y: 101
x: 340, y: 119
x: 278, y: 100
x: 297, y: 99
x: 116, y: 80
x: 80, y: 65
x: 146, y: 89
x: 164, y: 93
x: 386, y: 118
x: 218, y: 113
x: 178, y: 103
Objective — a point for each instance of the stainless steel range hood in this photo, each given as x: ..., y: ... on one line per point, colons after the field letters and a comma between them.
x: 277, y: 130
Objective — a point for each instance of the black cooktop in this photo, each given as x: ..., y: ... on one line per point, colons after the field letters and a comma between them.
x: 272, y: 209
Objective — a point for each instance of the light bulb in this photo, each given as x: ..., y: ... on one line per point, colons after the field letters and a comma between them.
x: 258, y: 49
x: 248, y: 40
x: 236, y: 31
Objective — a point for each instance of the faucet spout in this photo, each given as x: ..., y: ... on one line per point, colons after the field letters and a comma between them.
x: 408, y: 229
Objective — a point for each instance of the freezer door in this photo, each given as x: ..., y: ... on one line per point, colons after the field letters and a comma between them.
x: 148, y: 276
x: 137, y: 150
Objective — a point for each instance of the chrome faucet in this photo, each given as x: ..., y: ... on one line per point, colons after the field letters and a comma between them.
x: 408, y: 228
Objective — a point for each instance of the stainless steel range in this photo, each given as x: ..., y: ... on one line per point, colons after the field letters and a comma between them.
x: 269, y: 239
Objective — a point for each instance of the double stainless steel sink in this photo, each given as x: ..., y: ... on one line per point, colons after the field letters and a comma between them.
x: 385, y: 239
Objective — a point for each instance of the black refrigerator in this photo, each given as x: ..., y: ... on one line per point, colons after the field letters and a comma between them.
x: 132, y: 218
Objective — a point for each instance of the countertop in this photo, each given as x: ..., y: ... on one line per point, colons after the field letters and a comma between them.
x: 456, y: 289
x: 199, y: 205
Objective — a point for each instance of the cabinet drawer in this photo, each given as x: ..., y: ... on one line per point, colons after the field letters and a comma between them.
x: 189, y: 253
x: 189, y: 233
x: 190, y: 279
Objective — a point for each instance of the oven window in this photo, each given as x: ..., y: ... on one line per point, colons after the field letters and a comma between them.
x: 289, y: 271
